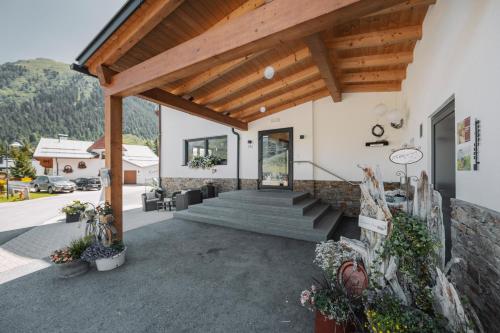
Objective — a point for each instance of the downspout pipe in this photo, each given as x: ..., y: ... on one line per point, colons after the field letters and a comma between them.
x: 158, y: 146
x: 238, y: 183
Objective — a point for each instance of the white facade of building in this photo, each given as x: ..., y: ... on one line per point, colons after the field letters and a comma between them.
x: 458, y: 56
x: 85, y: 160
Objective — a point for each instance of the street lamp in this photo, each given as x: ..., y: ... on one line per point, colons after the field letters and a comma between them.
x: 16, y: 145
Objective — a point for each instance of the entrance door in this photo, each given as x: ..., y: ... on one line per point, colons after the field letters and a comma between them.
x: 130, y: 177
x: 276, y: 158
x: 443, y: 164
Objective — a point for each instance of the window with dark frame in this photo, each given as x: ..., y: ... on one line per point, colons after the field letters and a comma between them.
x: 216, y: 146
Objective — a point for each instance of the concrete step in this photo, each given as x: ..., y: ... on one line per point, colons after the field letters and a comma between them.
x: 298, y: 209
x: 265, y: 197
x: 256, y: 214
x: 324, y: 228
x: 313, y: 235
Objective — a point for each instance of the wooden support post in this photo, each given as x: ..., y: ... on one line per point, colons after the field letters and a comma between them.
x: 113, y: 116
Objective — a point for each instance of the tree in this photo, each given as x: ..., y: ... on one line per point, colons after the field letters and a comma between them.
x: 22, y: 166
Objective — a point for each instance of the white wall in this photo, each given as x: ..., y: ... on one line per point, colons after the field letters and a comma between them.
x: 92, y: 169
x: 460, y: 54
x: 334, y: 137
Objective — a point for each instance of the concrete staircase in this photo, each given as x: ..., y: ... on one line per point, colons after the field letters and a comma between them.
x: 274, y: 212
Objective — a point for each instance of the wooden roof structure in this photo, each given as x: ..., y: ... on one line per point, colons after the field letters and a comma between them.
x: 207, y: 57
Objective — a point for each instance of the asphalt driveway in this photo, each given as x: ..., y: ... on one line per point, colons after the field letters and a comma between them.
x: 179, y: 277
x: 30, y: 213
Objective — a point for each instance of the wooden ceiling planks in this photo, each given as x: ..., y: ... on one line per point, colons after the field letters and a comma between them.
x: 367, y: 54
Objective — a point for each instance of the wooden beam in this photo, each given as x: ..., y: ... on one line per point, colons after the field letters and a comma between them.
x: 243, y: 9
x: 199, y: 80
x: 389, y: 75
x: 301, y: 100
x: 372, y: 87
x: 236, y: 86
x: 104, y: 74
x: 276, y: 22
x: 113, y: 120
x: 286, y: 82
x: 378, y: 60
x: 376, y: 38
x: 132, y: 31
x: 162, y: 97
x: 321, y: 58
x: 409, y: 4
x: 280, y: 99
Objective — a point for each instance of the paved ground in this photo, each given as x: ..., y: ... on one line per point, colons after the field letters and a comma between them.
x: 24, y: 254
x: 29, y: 213
x: 179, y: 277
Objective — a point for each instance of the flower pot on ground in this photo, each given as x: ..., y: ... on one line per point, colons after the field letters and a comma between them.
x: 74, y: 210
x: 68, y: 260
x: 324, y: 325
x: 106, y: 258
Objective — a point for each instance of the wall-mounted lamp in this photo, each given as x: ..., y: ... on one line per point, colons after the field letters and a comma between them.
x: 395, y: 118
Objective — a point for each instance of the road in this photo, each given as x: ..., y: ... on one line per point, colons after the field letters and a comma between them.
x: 30, y: 213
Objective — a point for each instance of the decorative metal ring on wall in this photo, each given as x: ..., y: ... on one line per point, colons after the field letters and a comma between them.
x: 67, y: 169
x: 378, y: 130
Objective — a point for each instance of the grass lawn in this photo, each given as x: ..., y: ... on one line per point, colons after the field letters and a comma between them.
x: 33, y: 195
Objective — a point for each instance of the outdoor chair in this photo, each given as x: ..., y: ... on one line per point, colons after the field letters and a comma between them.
x: 186, y: 198
x: 149, y: 201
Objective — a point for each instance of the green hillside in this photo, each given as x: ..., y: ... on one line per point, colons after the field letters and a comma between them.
x: 42, y: 97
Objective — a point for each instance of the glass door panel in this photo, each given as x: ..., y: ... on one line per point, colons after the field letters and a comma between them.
x: 275, y: 160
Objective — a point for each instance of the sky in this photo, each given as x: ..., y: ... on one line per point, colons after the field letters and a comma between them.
x: 54, y: 29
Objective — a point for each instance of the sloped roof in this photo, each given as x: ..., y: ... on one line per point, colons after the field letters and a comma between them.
x: 56, y: 148
x: 141, y: 156
x: 99, y: 144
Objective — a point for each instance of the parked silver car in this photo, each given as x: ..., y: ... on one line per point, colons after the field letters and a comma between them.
x: 53, y: 184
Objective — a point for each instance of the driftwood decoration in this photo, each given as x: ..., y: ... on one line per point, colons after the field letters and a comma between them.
x: 427, y: 205
x: 448, y: 304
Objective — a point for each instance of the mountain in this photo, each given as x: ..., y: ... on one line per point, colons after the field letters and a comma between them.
x: 42, y: 97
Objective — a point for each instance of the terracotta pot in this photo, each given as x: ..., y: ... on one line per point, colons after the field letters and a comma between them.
x: 324, y: 325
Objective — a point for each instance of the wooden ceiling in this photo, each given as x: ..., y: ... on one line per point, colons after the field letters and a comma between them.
x: 366, y: 53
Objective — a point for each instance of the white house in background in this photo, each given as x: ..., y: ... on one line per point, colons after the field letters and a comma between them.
x: 77, y: 159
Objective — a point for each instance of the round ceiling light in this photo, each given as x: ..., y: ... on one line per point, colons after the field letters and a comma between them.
x: 262, y: 109
x: 269, y: 72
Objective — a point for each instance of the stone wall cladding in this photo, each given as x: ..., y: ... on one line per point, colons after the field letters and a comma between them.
x: 475, y: 234
x: 179, y: 184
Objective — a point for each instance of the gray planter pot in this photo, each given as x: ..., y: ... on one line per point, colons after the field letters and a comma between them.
x: 72, y: 217
x: 72, y: 269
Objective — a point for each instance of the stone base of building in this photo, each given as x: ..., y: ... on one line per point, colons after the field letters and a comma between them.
x: 475, y: 234
x: 339, y: 194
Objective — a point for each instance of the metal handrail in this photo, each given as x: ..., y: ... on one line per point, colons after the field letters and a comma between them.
x: 325, y: 170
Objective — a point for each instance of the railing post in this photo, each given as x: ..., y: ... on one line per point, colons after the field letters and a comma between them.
x: 113, y: 116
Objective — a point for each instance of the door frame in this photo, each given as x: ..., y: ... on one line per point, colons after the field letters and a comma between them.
x: 444, y: 111
x: 290, y: 159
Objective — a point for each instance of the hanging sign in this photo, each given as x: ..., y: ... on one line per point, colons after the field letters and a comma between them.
x: 371, y: 224
x: 406, y: 155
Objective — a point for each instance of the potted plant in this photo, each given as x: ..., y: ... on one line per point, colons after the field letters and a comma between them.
x: 105, y: 213
x: 204, y: 162
x: 68, y: 260
x: 74, y: 210
x: 106, y: 258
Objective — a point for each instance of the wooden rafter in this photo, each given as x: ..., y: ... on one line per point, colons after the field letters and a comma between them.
x: 129, y: 34
x: 372, y: 87
x: 409, y: 4
x: 104, y: 74
x: 378, y: 60
x: 276, y: 85
x: 388, y: 75
x: 376, y: 38
x: 243, y: 9
x: 321, y: 58
x: 199, y: 80
x: 165, y: 98
x: 307, y: 98
x: 236, y: 86
x: 280, y: 99
x: 278, y: 21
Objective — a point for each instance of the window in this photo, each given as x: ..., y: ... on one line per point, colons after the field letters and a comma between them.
x: 216, y: 146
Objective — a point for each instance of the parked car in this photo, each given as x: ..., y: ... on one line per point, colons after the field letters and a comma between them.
x: 86, y: 184
x: 53, y: 184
